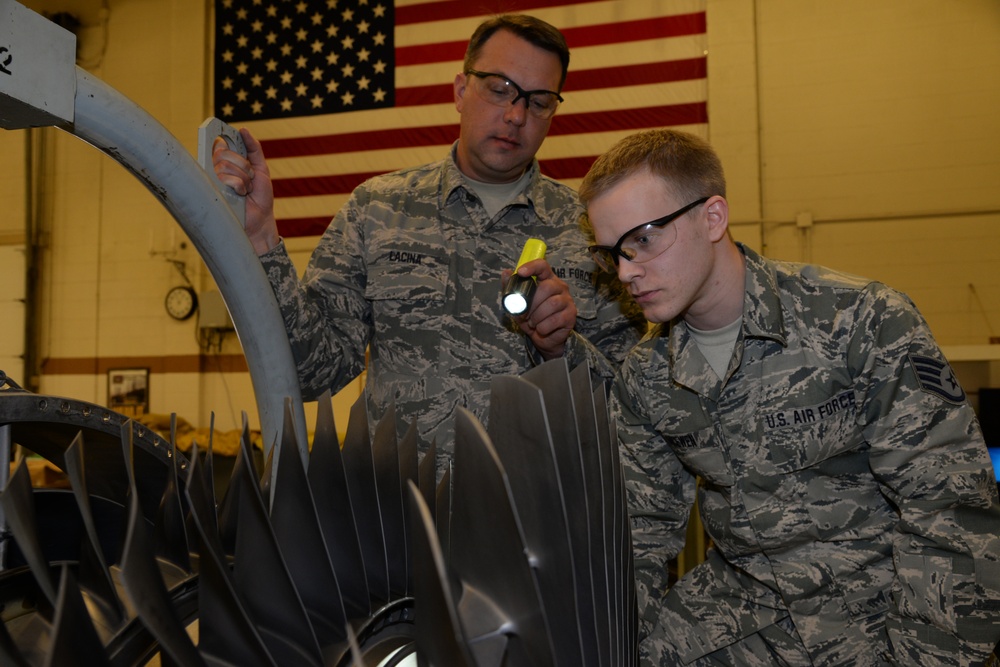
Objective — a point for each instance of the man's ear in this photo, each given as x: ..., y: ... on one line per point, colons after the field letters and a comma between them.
x: 459, y: 86
x: 717, y: 215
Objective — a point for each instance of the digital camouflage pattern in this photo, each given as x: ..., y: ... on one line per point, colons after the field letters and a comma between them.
x: 839, y: 472
x: 411, y: 266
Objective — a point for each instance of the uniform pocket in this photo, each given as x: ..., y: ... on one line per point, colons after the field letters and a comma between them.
x: 701, y: 452
x: 802, y: 437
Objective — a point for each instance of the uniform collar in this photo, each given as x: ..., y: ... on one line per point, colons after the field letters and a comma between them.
x: 762, y: 309
x: 454, y: 183
x: 762, y: 318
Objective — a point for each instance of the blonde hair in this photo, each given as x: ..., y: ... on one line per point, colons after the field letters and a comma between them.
x: 687, y: 163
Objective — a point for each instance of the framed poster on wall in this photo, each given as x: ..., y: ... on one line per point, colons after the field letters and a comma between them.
x: 128, y: 391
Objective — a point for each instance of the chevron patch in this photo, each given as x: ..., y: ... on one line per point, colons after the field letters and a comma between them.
x: 935, y: 376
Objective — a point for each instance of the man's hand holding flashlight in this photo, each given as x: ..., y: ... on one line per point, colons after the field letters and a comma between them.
x: 552, y: 314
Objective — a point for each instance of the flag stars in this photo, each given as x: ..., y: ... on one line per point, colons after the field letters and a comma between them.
x: 290, y: 57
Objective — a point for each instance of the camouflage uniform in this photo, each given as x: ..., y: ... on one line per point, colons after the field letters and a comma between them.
x: 411, y: 266
x: 839, y: 472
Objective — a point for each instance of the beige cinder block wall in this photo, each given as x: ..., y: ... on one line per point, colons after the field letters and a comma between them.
x: 857, y: 134
x: 864, y: 136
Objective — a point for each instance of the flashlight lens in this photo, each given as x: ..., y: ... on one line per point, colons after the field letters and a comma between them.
x: 515, y: 303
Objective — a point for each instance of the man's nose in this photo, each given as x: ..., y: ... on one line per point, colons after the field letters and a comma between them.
x: 628, y: 271
x: 516, y: 113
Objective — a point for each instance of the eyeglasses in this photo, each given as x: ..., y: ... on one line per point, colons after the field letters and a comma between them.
x: 501, y: 91
x: 642, y: 243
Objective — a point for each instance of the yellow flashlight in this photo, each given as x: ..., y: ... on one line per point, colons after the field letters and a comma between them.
x: 517, y: 296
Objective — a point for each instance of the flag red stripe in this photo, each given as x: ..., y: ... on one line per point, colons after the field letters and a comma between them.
x: 633, y: 119
x: 457, y: 9
x: 637, y: 75
x: 415, y: 96
x: 634, y: 31
x: 361, y: 141
x: 594, y: 35
x: 630, y: 119
x: 290, y: 227
x: 421, y: 54
x: 567, y: 167
x: 309, y: 186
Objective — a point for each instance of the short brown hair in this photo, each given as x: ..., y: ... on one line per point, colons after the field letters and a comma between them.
x: 688, y: 164
x: 532, y: 30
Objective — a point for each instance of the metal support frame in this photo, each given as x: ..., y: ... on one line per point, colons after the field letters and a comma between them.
x: 119, y: 128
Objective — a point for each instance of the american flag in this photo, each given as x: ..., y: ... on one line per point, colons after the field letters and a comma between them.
x: 341, y: 90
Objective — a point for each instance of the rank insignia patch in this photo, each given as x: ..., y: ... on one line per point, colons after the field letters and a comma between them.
x: 936, y: 377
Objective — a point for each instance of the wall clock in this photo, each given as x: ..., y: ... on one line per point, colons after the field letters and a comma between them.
x: 181, y: 302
